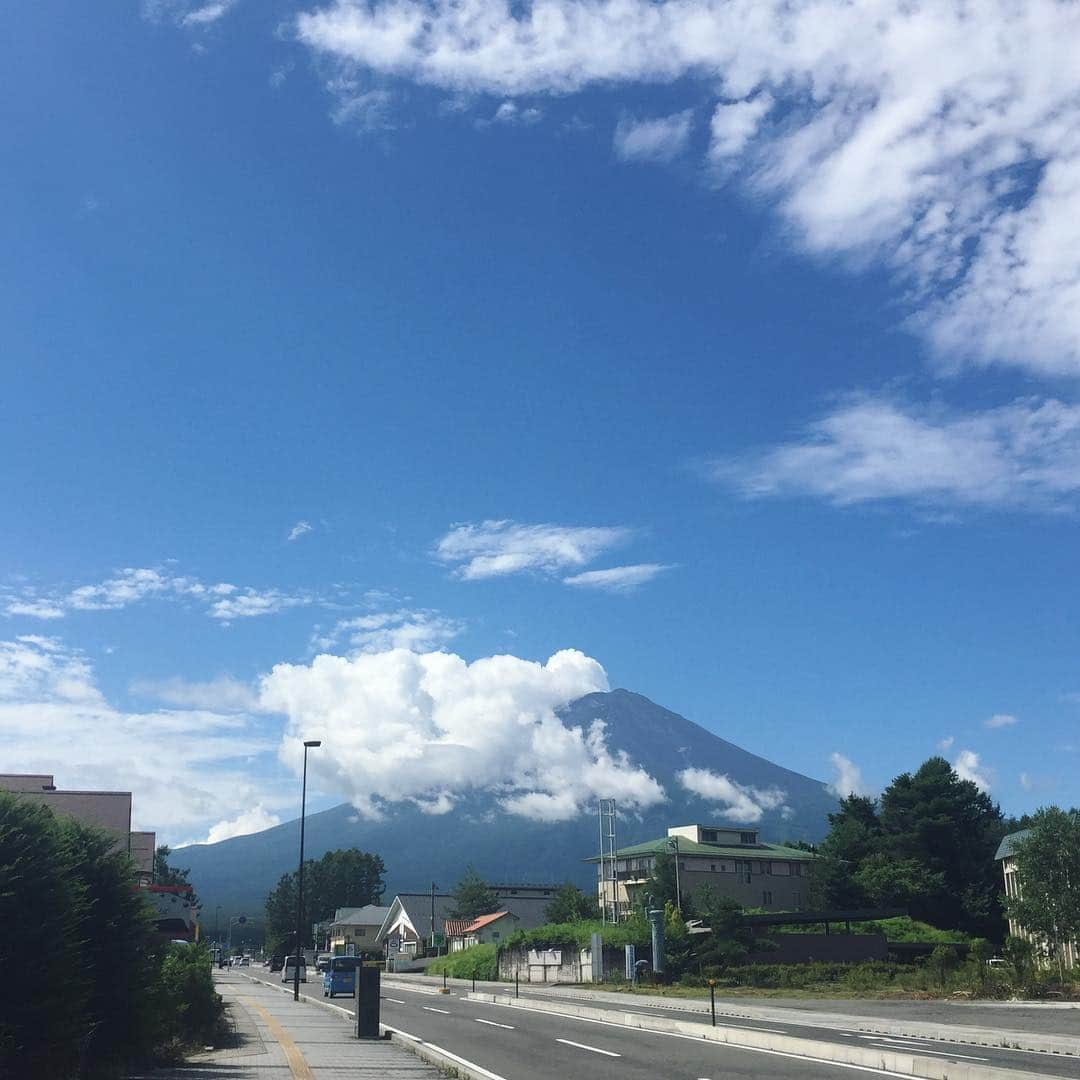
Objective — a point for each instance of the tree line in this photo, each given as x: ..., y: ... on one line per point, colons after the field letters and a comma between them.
x: 88, y: 987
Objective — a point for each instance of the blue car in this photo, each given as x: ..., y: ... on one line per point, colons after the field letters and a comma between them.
x: 340, y: 976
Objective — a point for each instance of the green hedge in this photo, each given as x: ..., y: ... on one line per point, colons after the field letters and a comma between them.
x: 477, y: 962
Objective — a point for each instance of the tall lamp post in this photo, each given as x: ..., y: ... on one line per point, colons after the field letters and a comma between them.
x: 308, y: 744
x: 673, y: 842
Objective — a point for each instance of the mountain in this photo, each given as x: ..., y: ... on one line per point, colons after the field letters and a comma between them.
x: 420, y: 848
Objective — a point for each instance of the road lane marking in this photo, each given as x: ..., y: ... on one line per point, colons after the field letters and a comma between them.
x: 494, y: 1023
x: 937, y: 1053
x: 298, y: 1067
x: 594, y: 1049
x: 396, y: 1001
x: 428, y: 1008
x: 476, y: 1070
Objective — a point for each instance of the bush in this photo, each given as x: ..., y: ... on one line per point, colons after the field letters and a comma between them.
x: 189, y: 1004
x: 477, y: 962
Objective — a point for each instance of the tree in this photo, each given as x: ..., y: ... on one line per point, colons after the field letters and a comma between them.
x: 472, y: 897
x: 951, y: 829
x: 164, y: 874
x: 661, y: 884
x: 854, y: 836
x: 891, y: 882
x: 570, y: 904
x: 730, y: 939
x: 1048, y: 867
x: 343, y: 878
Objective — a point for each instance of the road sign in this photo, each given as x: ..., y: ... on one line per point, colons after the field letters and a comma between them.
x: 438, y: 939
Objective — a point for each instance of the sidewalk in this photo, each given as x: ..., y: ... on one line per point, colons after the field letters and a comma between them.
x: 280, y: 1039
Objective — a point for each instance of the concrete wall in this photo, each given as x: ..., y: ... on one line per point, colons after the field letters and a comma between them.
x: 565, y: 964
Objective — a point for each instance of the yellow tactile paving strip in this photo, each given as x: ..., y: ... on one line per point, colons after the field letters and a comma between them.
x: 297, y: 1065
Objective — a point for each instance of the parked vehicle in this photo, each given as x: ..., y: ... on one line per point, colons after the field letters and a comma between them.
x: 277, y: 963
x: 340, y: 976
x: 288, y: 972
x: 322, y: 962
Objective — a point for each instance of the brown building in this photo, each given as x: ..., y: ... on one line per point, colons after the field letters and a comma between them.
x: 108, y: 810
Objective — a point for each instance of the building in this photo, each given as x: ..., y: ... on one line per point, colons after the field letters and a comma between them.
x: 355, y: 930
x: 486, y: 930
x: 732, y: 860
x: 413, y: 918
x: 1069, y: 952
x: 108, y: 810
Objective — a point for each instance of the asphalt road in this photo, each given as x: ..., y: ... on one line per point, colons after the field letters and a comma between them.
x: 516, y: 1044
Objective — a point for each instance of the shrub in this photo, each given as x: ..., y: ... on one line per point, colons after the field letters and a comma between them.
x: 476, y: 962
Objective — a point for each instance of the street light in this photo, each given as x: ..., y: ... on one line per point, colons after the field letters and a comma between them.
x: 308, y: 744
x: 673, y: 841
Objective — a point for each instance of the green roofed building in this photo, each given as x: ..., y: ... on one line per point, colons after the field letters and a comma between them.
x: 733, y: 861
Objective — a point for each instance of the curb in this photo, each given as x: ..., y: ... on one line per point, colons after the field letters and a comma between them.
x: 894, y: 1061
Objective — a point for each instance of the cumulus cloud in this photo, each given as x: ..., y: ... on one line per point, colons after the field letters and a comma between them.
x: 946, y: 743
x: 968, y: 767
x: 938, y: 140
x: 848, y: 779
x: 430, y: 728
x: 1026, y: 454
x: 617, y: 578
x: 1000, y: 720
x: 497, y: 548
x: 246, y: 822
x: 420, y: 631
x: 134, y: 585
x: 735, y: 801
x: 660, y: 139
x: 185, y: 767
x: 510, y: 112
x: 301, y: 528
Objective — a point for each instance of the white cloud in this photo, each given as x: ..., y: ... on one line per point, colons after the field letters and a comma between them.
x: 849, y: 779
x: 734, y: 124
x: 968, y: 767
x: 223, y: 694
x: 946, y: 744
x: 361, y: 108
x: 938, y: 140
x: 186, y: 768
x: 510, y: 112
x: 301, y: 528
x: 431, y: 727
x: 660, y: 139
x: 735, y: 801
x: 208, y: 13
x: 1000, y: 720
x: 185, y: 13
x: 134, y: 585
x: 496, y: 548
x: 617, y: 578
x: 419, y: 631
x: 254, y: 820
x: 1025, y: 454
x: 1026, y: 781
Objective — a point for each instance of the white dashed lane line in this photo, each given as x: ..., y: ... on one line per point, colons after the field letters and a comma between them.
x: 594, y: 1049
x: 492, y: 1023
x: 428, y: 1008
x: 396, y: 1001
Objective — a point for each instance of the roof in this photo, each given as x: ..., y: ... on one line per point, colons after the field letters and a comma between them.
x: 691, y: 847
x: 369, y: 915
x: 455, y: 927
x: 417, y: 906
x: 1008, y: 843
x: 487, y: 920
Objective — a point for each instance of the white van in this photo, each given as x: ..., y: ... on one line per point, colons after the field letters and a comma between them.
x: 288, y: 972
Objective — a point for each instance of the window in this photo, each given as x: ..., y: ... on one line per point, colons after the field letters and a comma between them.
x: 747, y: 838
x: 708, y: 836
x: 362, y: 932
x: 712, y: 867
x: 766, y: 897
x: 513, y: 892
x: 768, y: 867
x: 796, y: 869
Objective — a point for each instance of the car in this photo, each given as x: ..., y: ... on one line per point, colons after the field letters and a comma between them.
x: 245, y: 961
x: 322, y: 962
x: 277, y: 963
x: 340, y: 976
x: 288, y: 972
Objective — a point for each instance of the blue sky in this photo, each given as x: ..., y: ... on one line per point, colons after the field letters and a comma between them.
x: 731, y: 346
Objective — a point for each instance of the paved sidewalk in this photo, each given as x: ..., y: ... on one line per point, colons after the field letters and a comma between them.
x: 280, y: 1039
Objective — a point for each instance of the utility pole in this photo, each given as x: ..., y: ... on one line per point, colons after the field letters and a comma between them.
x: 431, y: 940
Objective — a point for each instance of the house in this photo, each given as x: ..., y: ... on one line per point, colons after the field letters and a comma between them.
x: 355, y: 930
x: 1069, y: 952
x: 732, y: 860
x: 489, y: 929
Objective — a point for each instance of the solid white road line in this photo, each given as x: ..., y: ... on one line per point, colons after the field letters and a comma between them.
x: 936, y: 1053
x: 476, y: 1070
x: 594, y: 1049
x: 494, y: 1023
x: 428, y: 1008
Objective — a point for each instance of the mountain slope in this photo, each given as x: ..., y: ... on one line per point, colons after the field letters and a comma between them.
x: 420, y: 848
